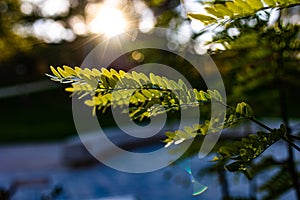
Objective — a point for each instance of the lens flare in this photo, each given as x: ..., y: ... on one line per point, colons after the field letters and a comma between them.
x: 198, y: 188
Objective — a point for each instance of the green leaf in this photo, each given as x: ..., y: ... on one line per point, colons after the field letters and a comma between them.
x: 55, y: 72
x: 153, y: 78
x: 69, y: 71
x: 161, y: 82
x: 249, y: 148
x: 155, y: 93
x: 270, y: 2
x: 105, y: 72
x: 212, y: 10
x: 255, y: 4
x: 149, y: 90
x: 197, y: 95
x: 282, y: 2
x: 167, y: 83
x: 203, y: 18
x: 223, y: 10
x: 234, y: 8
x: 243, y: 109
x: 182, y: 85
x: 244, y: 6
x: 235, y: 166
x: 104, y: 81
x: 140, y: 97
x: 247, y: 173
x: 147, y: 94
x: 216, y: 158
x: 204, y: 96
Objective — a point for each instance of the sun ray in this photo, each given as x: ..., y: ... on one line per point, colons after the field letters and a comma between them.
x: 108, y: 20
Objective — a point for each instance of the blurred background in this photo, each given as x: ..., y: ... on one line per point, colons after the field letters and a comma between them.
x: 36, y: 114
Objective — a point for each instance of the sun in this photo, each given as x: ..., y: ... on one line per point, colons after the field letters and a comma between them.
x: 109, y: 21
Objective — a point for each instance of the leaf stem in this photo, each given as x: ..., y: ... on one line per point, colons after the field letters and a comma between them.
x: 260, y: 124
x: 250, y: 118
x: 293, y: 137
x: 291, y: 143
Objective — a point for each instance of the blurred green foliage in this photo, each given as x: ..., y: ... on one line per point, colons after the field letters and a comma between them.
x: 10, y: 43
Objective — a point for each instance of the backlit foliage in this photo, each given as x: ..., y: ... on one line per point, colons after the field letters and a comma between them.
x: 268, y: 45
x: 236, y: 9
x: 104, y: 88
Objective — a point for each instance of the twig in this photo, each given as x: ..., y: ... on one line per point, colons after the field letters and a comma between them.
x: 291, y: 143
x: 260, y: 124
x: 293, y: 137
